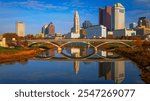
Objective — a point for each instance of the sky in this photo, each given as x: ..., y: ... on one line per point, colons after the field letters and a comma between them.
x: 37, y: 13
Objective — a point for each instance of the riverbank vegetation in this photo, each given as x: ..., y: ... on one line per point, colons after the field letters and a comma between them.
x: 17, y: 54
x: 141, y: 57
x: 140, y: 54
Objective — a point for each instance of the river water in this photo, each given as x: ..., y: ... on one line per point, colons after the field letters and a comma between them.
x: 74, y: 65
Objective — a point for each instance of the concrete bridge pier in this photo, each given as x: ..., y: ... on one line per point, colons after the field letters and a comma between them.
x: 3, y: 42
x: 95, y: 50
x: 59, y: 50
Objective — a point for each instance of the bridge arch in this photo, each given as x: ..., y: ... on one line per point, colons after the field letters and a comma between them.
x: 77, y: 42
x: 33, y: 43
x: 83, y: 57
x: 123, y: 43
x: 80, y: 58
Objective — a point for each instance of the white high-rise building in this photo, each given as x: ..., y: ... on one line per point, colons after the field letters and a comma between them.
x: 76, y: 23
x: 76, y: 27
x: 20, y: 29
x: 118, y: 17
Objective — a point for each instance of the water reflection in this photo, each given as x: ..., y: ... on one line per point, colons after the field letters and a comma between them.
x: 112, y: 71
x: 79, y: 53
x: 75, y: 52
x: 72, y: 65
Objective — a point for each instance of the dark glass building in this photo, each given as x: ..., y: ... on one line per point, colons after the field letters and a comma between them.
x: 105, y: 17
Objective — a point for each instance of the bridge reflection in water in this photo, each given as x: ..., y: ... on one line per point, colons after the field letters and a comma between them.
x: 111, y: 66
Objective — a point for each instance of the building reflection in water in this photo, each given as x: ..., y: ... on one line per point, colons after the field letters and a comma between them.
x: 47, y: 53
x: 51, y: 53
x: 119, y: 71
x: 105, y: 53
x: 75, y: 52
x: 112, y: 71
x: 105, y: 70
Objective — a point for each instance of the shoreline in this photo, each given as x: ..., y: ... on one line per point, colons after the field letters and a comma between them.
x: 141, y: 58
x: 17, y: 56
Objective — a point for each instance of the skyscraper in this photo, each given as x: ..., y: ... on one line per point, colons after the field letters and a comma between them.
x: 20, y: 29
x: 51, y: 29
x: 76, y: 23
x: 105, y: 17
x: 133, y: 25
x: 76, y: 27
x: 44, y: 30
x: 118, y: 17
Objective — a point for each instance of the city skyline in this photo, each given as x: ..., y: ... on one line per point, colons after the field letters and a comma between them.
x: 36, y: 13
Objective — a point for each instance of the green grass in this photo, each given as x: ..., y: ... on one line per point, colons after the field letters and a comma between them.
x: 4, y: 49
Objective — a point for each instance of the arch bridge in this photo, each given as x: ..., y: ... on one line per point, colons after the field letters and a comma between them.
x: 61, y: 43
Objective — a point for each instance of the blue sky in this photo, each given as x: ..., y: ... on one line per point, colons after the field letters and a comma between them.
x: 36, y: 13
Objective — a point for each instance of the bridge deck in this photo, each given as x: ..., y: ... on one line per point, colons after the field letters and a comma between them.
x: 80, y: 40
x: 82, y: 60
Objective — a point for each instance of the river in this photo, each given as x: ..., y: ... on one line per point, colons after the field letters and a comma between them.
x: 76, y: 65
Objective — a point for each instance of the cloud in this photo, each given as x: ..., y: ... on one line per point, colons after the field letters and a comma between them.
x: 74, y: 3
x: 33, y: 4
x: 139, y: 13
x: 134, y: 15
x: 148, y: 1
x: 80, y: 4
x: 144, y: 3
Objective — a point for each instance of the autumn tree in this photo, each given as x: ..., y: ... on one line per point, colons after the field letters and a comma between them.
x: 138, y: 43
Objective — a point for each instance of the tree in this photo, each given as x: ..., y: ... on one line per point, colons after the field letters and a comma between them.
x: 138, y: 43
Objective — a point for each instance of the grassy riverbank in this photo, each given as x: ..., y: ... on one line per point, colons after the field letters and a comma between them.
x: 16, y: 54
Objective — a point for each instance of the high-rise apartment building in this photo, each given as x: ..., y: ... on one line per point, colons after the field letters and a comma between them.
x: 20, y: 29
x: 51, y: 29
x: 118, y: 17
x: 105, y: 17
